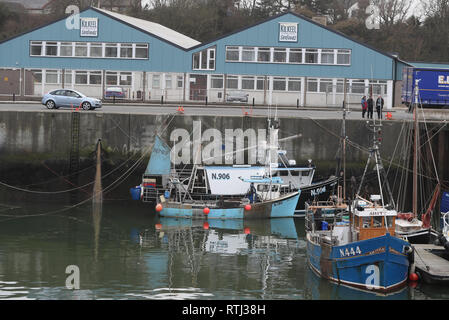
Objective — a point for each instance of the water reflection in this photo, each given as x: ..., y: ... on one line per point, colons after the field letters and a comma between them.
x: 125, y: 251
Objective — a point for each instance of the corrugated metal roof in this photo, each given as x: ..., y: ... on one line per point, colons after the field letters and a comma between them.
x: 430, y: 65
x: 155, y: 28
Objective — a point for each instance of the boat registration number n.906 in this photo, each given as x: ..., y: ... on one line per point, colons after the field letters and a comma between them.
x: 347, y: 252
x: 221, y: 176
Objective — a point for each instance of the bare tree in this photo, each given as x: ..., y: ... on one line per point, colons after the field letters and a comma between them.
x: 392, y: 11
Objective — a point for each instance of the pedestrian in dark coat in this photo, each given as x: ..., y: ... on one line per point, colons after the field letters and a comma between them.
x: 364, y: 106
x: 379, y: 106
x: 370, y: 103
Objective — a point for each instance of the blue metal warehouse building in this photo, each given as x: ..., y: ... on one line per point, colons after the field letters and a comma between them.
x: 285, y: 60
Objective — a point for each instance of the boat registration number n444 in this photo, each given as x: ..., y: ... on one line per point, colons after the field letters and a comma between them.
x: 347, y: 252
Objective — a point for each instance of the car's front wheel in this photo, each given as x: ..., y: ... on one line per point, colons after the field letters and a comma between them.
x: 50, y: 104
x: 86, y: 105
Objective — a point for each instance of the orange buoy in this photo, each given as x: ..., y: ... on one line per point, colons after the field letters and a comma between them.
x: 413, y: 277
x: 247, y: 230
x: 206, y: 210
x: 159, y: 207
x: 158, y: 226
x: 206, y: 225
x: 247, y: 207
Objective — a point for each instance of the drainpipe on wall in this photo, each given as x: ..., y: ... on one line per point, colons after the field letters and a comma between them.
x: 394, y: 83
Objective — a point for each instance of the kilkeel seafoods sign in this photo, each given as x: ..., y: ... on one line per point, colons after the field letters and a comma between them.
x: 89, y: 27
x: 288, y: 32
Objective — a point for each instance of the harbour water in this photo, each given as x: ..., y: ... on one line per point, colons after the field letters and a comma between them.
x: 123, y: 250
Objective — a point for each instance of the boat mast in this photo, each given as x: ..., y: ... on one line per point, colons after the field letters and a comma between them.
x: 344, y: 140
x: 415, y: 152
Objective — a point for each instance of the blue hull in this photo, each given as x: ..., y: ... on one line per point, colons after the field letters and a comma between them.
x: 280, y: 208
x: 378, y: 264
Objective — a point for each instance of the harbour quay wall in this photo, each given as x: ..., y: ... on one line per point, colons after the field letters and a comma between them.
x: 39, y: 146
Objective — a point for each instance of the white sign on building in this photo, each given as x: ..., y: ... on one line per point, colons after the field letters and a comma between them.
x: 288, y: 32
x: 89, y: 27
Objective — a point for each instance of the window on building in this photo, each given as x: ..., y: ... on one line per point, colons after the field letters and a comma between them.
x: 168, y: 81
x: 280, y: 55
x: 66, y: 49
x: 294, y: 84
x: 81, y: 77
x: 248, y: 83
x: 81, y: 49
x: 264, y: 55
x: 110, y: 50
x: 204, y: 60
x: 96, y: 50
x: 312, y: 85
x: 179, y: 81
x: 248, y: 54
x: 343, y: 56
x: 36, y: 75
x: 279, y: 84
x: 51, y: 49
x: 327, y: 56
x: 326, y: 85
x: 196, y: 60
x: 51, y: 76
x: 142, y: 51
x: 211, y: 58
x: 260, y: 83
x: 358, y: 86
x: 340, y: 85
x: 95, y: 77
x: 68, y: 76
x: 311, y: 56
x: 216, y: 81
x: 379, y: 87
x: 156, y: 81
x: 36, y: 48
x: 111, y: 78
x: 125, y: 78
x: 126, y: 50
x: 232, y: 53
x: 295, y: 55
x: 232, y: 82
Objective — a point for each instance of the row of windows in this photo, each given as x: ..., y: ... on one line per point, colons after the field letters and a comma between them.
x: 156, y: 82
x: 288, y: 55
x: 82, y: 77
x: 255, y: 83
x: 357, y: 86
x: 237, y: 82
x: 95, y: 78
x: 89, y: 49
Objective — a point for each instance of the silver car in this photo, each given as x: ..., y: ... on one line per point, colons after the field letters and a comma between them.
x: 70, y: 99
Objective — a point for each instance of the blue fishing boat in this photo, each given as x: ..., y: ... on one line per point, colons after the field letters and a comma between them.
x: 266, y: 198
x: 358, y: 246
x: 209, y: 181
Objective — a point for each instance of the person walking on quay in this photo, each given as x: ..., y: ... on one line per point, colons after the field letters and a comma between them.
x: 379, y: 106
x: 370, y: 103
x: 364, y: 106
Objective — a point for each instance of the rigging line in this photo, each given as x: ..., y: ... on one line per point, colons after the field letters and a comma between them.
x: 59, y: 177
x: 430, y: 145
x: 68, y: 181
x: 56, y: 211
x: 61, y: 191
